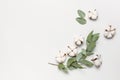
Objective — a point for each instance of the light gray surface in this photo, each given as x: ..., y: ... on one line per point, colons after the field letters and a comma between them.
x: 33, y: 31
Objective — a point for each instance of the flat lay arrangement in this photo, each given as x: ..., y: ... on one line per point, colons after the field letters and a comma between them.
x: 59, y: 39
x: 74, y: 58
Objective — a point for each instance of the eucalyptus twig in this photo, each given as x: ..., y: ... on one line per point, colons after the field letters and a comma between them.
x: 78, y: 60
x: 53, y: 64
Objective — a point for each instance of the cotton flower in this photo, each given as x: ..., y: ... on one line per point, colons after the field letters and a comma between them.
x: 72, y: 51
x: 109, y: 32
x: 97, y: 60
x: 61, y: 57
x: 78, y: 41
x: 93, y: 15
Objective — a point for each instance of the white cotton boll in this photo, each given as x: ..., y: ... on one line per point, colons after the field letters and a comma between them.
x: 61, y: 57
x: 93, y: 15
x: 72, y: 51
x: 109, y: 36
x: 111, y: 27
x: 95, y: 12
x: 113, y: 33
x: 110, y: 32
x: 97, y: 60
x: 106, y: 33
x: 75, y: 51
x: 59, y: 60
x: 97, y: 63
x: 68, y: 50
x: 72, y: 54
x: 89, y: 14
x: 78, y: 43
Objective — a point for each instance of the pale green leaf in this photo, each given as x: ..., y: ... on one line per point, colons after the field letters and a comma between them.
x: 81, y: 20
x: 81, y: 13
x: 89, y: 37
x: 62, y: 68
x: 71, y: 68
x: 87, y: 63
x: 70, y: 61
x: 89, y: 53
x: 83, y: 57
x: 91, y: 47
x: 76, y: 65
x: 84, y: 52
x: 95, y: 37
x: 79, y: 56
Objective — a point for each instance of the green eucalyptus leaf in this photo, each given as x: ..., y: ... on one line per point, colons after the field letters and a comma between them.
x: 89, y: 37
x: 71, y: 68
x: 79, y: 56
x: 91, y: 47
x: 87, y: 63
x: 62, y: 67
x: 89, y: 53
x: 76, y: 65
x: 70, y: 61
x: 83, y: 57
x: 81, y: 20
x: 81, y: 13
x: 95, y: 37
x: 84, y: 52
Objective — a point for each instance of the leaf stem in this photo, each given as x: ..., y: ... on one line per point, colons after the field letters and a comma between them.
x: 53, y: 64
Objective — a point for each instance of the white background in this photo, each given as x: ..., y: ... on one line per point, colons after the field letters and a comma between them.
x: 33, y: 31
